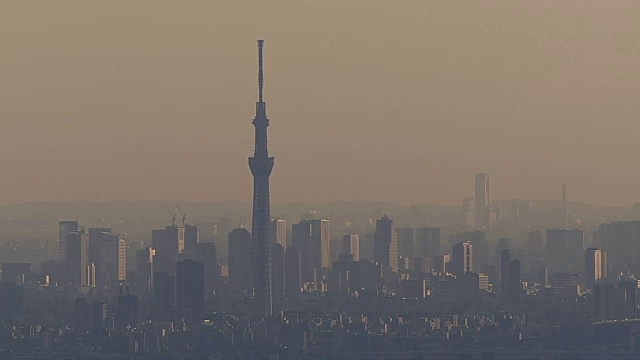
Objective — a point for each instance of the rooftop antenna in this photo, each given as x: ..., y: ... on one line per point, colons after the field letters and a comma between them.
x: 184, y: 216
x: 173, y: 216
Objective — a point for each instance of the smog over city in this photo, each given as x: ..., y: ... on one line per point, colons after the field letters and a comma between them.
x: 309, y: 179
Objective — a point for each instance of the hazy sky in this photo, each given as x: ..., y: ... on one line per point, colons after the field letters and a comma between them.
x: 375, y: 99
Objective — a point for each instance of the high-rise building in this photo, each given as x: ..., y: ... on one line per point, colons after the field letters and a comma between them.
x: 145, y: 270
x: 278, y: 232
x: 427, y: 242
x: 483, y: 200
x: 462, y: 258
x: 221, y: 231
x: 261, y: 165
x: 595, y: 267
x: 480, y: 248
x: 510, y: 285
x: 277, y: 270
x: 313, y: 239
x: 405, y: 242
x: 191, y: 238
x: 441, y: 263
x: 77, y: 256
x: 169, y: 243
x: 65, y: 228
x: 351, y: 246
x: 385, y: 245
x: 206, y: 253
x: 190, y: 285
x: 95, y: 241
x: 239, y: 260
x: 621, y: 242
x: 113, y: 257
x: 468, y: 212
x: 565, y: 249
x: 293, y: 272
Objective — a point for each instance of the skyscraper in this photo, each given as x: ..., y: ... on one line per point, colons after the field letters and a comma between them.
x: 113, y: 257
x: 427, y: 242
x: 483, y: 200
x: 462, y: 258
x: 565, y: 248
x: 385, y: 244
x: 77, y: 254
x: 405, y: 242
x: 239, y: 259
x: 65, y: 228
x: 351, y: 246
x: 312, y: 238
x: 190, y: 285
x: 279, y: 232
x: 261, y: 165
x: 595, y: 267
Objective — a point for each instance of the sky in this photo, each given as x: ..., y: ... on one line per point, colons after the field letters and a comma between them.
x: 399, y: 101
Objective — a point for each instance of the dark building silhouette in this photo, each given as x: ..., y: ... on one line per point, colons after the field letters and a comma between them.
x: 510, y: 286
x: 168, y: 242
x: 94, y: 248
x: 145, y: 270
x: 190, y: 285
x: 405, y: 242
x: 351, y: 247
x: 312, y: 238
x: 277, y: 270
x: 11, y: 299
x: 164, y: 293
x: 239, y: 260
x: 385, y: 246
x: 191, y: 238
x: 261, y: 166
x: 77, y: 256
x: 462, y: 258
x: 127, y: 311
x: 480, y: 247
x: 15, y: 272
x: 293, y: 272
x: 206, y: 253
x: 565, y: 249
x: 427, y: 242
x: 64, y: 229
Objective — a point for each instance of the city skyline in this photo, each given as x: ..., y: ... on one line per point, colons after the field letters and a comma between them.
x: 535, y: 100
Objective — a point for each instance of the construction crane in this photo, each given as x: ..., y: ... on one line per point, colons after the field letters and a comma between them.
x: 184, y: 216
x: 173, y: 216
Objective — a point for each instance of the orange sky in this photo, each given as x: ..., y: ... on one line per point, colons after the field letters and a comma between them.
x: 371, y: 99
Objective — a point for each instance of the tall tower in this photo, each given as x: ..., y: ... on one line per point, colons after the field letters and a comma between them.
x: 261, y: 165
x: 483, y: 200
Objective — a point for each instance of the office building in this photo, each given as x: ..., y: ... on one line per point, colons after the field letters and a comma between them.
x: 595, y: 267
x: 191, y: 238
x: 77, y: 259
x: 113, y: 259
x: 190, y: 285
x: 277, y: 270
x: 278, y: 232
x: 483, y: 200
x: 427, y: 243
x: 462, y: 258
x: 169, y: 243
x: 565, y: 249
x: 405, y: 242
x: 293, y: 271
x: 239, y: 260
x: 351, y: 246
x: 312, y: 238
x: 385, y: 246
x: 64, y: 229
x: 94, y: 248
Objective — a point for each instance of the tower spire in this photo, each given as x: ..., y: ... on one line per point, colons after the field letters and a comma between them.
x: 260, y: 74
